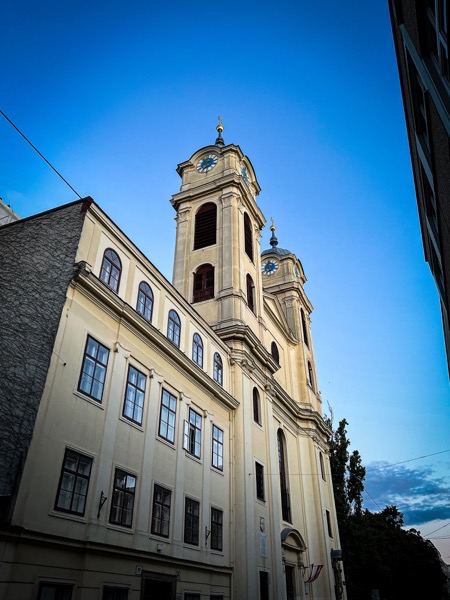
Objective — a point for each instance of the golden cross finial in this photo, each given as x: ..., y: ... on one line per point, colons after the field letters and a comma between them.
x: 220, y: 125
x: 272, y: 227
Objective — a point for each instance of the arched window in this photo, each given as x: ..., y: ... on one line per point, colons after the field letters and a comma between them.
x: 218, y: 368
x: 274, y: 352
x: 205, y: 226
x: 251, y: 294
x: 197, y: 349
x: 204, y: 283
x: 174, y: 327
x: 256, y: 407
x: 248, y: 237
x: 111, y: 270
x: 305, y: 330
x: 285, y: 503
x: 311, y: 376
x: 322, y: 466
x: 145, y: 301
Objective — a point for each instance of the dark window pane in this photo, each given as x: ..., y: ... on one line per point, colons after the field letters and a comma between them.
x: 203, y: 283
x: 248, y: 237
x: 73, y: 483
x: 134, y: 395
x: 216, y: 529
x: 259, y: 472
x: 191, y: 522
x: 161, y: 511
x: 174, y: 327
x: 145, y: 301
x: 123, y: 499
x: 218, y: 368
x: 167, y: 416
x: 217, y: 449
x: 111, y: 270
x: 93, y: 369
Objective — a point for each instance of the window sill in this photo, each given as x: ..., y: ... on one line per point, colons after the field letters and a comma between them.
x: 193, y: 457
x: 96, y: 403
x: 191, y: 547
x: 132, y: 423
x: 67, y: 515
x: 166, y: 442
x: 216, y: 470
x: 120, y: 528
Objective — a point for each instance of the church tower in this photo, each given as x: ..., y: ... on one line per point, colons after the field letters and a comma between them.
x: 217, y: 255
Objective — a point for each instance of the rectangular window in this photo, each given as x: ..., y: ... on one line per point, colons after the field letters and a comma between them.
x: 217, y: 448
x: 73, y: 483
x: 114, y: 593
x: 192, y: 440
x: 93, y: 370
x: 188, y: 596
x: 161, y: 511
x: 263, y: 585
x: 123, y: 499
x: 259, y: 471
x: 55, y: 591
x: 167, y: 416
x: 191, y: 521
x: 216, y: 529
x: 330, y: 531
x: 133, y: 405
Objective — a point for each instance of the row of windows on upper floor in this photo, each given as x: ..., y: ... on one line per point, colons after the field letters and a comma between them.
x: 110, y: 275
x: 93, y: 376
x: 72, y: 494
x: 203, y: 284
x: 73, y: 486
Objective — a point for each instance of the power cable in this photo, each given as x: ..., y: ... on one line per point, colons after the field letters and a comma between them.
x: 40, y: 154
x: 438, y: 529
x: 407, y: 461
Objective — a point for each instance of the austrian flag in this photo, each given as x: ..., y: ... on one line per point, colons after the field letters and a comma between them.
x: 315, y: 572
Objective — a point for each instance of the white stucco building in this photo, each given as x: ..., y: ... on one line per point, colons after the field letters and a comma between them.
x: 162, y: 441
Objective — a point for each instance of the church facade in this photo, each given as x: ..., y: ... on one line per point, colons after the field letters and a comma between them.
x: 162, y: 440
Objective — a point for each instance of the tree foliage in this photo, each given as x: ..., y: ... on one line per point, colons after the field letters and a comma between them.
x: 378, y: 553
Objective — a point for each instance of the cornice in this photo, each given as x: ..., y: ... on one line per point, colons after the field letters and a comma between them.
x: 92, y: 288
x: 243, y: 334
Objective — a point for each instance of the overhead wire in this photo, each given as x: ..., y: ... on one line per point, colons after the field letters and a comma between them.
x: 40, y: 153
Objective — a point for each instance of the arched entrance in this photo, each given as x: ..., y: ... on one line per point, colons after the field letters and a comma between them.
x: 292, y: 548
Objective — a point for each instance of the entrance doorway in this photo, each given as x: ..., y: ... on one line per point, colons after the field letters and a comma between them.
x: 290, y: 583
x: 156, y: 586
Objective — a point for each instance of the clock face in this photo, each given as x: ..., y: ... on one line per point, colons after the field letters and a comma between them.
x: 269, y: 267
x: 207, y: 163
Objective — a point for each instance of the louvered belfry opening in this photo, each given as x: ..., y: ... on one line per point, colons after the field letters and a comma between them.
x: 205, y: 226
x: 248, y: 237
x: 204, y: 283
x: 250, y: 294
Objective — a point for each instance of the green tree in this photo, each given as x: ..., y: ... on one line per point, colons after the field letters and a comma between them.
x: 378, y: 553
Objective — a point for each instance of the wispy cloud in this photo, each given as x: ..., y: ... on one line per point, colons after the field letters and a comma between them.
x: 418, y: 492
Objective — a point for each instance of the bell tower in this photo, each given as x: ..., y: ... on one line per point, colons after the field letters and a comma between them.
x: 217, y: 263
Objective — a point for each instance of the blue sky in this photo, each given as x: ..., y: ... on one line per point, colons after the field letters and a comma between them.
x: 116, y: 95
